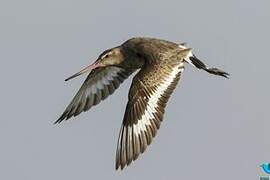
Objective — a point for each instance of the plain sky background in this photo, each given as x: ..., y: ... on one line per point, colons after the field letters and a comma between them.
x: 213, y: 128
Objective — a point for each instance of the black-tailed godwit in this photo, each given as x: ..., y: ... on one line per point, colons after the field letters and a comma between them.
x: 161, y: 64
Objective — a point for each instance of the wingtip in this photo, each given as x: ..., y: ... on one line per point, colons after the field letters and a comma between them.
x: 56, y: 122
x: 60, y: 119
x: 117, y: 167
x: 226, y: 75
x: 120, y: 167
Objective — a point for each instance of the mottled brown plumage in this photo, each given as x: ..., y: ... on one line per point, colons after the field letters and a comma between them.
x: 161, y: 64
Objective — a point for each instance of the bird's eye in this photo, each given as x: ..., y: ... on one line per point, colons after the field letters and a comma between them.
x: 106, y: 56
x: 139, y: 55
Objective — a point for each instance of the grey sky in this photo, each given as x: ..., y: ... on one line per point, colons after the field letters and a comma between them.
x: 213, y: 127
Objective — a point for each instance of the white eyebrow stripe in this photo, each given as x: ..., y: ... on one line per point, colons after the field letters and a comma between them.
x: 108, y: 53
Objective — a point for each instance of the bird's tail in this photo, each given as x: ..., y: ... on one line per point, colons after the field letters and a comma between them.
x: 193, y: 60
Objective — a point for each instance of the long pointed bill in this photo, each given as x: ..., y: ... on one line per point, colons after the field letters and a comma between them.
x: 84, y: 70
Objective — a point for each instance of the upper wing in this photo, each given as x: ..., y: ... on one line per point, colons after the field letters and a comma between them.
x: 99, y: 84
x: 149, y: 93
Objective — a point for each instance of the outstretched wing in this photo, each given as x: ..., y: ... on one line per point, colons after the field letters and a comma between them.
x: 150, y: 90
x: 99, y: 84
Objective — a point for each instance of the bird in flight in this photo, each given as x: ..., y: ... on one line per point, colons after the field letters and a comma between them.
x: 161, y: 64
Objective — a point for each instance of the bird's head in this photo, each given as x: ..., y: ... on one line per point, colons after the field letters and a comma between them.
x: 110, y: 57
